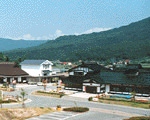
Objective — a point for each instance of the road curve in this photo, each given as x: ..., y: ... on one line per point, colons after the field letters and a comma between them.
x: 98, y: 111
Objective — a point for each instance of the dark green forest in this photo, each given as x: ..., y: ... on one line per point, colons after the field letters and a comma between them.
x: 126, y: 42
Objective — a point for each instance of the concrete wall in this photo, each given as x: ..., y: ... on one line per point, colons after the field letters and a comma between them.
x: 32, y: 70
x: 107, y: 88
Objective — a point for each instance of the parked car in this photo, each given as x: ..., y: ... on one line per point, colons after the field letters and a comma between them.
x: 53, y: 73
x: 31, y: 83
x: 39, y: 84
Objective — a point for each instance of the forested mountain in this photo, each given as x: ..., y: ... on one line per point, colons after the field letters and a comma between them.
x: 8, y: 44
x: 131, y: 41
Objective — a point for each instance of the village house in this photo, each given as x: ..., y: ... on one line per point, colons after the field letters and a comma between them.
x: 9, y: 72
x: 93, y: 78
x: 83, y: 73
x: 37, y: 67
x: 38, y: 70
x: 145, y: 65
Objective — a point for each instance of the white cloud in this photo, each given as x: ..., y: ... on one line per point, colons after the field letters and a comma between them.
x: 28, y: 37
x: 96, y: 30
x: 57, y: 34
x: 93, y: 30
x: 24, y: 37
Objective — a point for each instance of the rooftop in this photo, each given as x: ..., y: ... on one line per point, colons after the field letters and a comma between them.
x: 9, y: 69
x: 32, y: 62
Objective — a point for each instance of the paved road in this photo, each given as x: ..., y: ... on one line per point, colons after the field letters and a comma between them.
x: 98, y: 111
x: 56, y: 116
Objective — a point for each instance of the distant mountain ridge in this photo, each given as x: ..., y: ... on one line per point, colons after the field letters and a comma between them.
x: 9, y: 44
x: 131, y: 41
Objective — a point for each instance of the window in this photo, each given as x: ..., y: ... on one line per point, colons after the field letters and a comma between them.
x: 46, y: 72
x: 78, y: 73
x: 45, y: 66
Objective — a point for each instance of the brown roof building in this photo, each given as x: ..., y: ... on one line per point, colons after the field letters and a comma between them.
x: 9, y: 71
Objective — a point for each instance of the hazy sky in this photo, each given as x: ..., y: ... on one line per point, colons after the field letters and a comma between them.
x: 48, y: 19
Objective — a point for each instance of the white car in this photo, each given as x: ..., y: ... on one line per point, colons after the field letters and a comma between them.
x: 39, y: 84
x: 53, y: 73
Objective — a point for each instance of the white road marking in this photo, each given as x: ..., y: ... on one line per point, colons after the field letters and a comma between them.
x: 62, y: 115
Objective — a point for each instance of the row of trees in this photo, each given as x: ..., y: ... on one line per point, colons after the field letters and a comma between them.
x: 4, y: 58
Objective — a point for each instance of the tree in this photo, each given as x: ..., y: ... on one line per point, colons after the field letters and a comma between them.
x: 133, y: 95
x: 6, y: 58
x: 1, y: 98
x: 23, y: 94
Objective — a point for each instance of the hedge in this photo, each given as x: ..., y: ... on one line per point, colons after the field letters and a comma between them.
x: 77, y: 109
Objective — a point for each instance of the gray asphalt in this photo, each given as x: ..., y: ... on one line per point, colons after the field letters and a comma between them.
x: 98, y: 111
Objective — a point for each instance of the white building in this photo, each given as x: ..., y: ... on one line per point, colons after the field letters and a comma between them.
x: 37, y: 68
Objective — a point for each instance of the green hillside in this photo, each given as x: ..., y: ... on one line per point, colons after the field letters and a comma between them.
x: 131, y: 41
x: 9, y: 44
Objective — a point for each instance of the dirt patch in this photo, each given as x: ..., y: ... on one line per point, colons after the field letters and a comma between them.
x: 6, y: 89
x: 22, y: 113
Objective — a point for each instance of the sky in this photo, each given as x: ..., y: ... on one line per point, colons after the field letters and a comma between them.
x: 49, y: 19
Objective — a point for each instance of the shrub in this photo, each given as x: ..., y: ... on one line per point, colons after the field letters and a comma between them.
x: 9, y: 101
x: 77, y: 109
x: 58, y: 106
x: 90, y: 99
x: 4, y: 85
x: 139, y: 118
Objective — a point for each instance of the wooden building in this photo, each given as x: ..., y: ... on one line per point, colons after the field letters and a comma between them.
x: 9, y: 71
x: 94, y: 78
x: 81, y: 73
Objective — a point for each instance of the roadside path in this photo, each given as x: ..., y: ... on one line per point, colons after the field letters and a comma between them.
x: 98, y: 111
